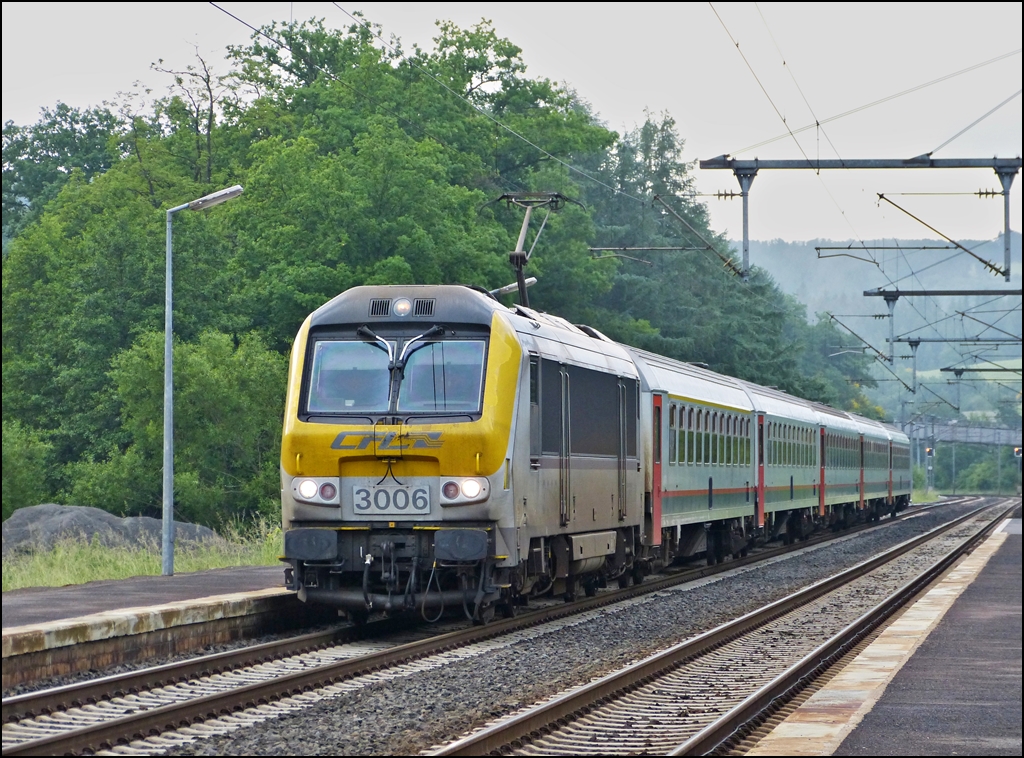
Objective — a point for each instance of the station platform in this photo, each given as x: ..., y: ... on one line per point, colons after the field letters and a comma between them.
x: 55, y: 631
x: 38, y: 605
x: 943, y: 679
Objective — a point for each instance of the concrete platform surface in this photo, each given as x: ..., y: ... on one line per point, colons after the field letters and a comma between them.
x: 960, y: 694
x: 38, y: 605
x: 943, y: 679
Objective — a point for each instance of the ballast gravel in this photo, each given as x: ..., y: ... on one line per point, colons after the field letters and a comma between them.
x: 408, y: 714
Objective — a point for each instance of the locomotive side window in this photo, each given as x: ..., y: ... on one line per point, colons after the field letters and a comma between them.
x: 551, y: 404
x: 632, y: 401
x: 535, y: 415
x: 594, y: 410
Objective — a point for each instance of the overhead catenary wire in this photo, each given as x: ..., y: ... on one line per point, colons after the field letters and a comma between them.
x: 792, y: 76
x: 976, y: 121
x: 800, y: 147
x: 885, y: 99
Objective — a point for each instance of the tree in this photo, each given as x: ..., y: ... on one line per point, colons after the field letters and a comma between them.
x: 229, y: 400
x: 39, y: 159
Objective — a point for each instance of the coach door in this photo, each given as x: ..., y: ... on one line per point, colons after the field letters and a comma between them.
x: 652, y: 520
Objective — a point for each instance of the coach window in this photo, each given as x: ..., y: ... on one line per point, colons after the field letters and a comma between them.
x: 672, y: 434
x: 689, y: 435
x: 723, y: 438
x: 714, y: 439
x: 699, y: 438
x: 720, y: 433
x: 682, y: 435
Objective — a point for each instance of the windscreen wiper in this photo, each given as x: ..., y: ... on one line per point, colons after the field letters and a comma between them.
x: 376, y: 341
x: 398, y: 366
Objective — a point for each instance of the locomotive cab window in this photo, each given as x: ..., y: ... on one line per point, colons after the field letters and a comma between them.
x: 353, y: 377
x: 443, y: 376
x: 348, y: 377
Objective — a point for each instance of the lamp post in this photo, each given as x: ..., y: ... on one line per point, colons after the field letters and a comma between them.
x: 207, y: 201
x: 953, y: 424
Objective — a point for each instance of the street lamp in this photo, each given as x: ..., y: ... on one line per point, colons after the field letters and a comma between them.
x: 207, y: 201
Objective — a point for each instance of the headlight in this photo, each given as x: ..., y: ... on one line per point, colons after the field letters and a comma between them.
x: 464, y: 491
x: 402, y: 307
x: 316, y: 490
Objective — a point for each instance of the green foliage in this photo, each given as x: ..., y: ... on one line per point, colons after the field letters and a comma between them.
x: 228, y: 404
x: 979, y: 468
x: 39, y: 159
x: 25, y: 460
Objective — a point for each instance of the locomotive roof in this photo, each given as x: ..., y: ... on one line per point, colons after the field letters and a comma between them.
x: 441, y: 304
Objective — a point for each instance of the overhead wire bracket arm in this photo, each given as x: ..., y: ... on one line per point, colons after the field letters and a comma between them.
x: 879, y: 355
x: 988, y: 264
x: 724, y: 258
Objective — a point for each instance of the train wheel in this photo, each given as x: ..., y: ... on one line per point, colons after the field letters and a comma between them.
x: 638, y: 574
x: 360, y: 617
x: 509, y: 607
x: 590, y: 588
x: 486, y: 615
x: 624, y: 580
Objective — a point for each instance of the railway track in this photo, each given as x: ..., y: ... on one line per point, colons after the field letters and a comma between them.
x: 117, y: 709
x: 691, y: 698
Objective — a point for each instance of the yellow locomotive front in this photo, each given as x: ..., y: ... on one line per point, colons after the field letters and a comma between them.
x: 395, y: 456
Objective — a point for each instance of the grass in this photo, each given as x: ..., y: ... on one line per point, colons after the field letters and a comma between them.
x: 74, y: 561
x: 920, y: 497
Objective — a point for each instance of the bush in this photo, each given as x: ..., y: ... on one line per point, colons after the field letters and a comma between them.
x: 25, y: 459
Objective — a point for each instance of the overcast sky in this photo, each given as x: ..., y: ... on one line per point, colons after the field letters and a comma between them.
x: 624, y: 58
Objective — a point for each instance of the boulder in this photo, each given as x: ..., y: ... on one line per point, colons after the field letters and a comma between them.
x: 38, y: 527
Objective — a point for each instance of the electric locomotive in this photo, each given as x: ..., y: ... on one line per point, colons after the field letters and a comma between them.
x: 441, y: 450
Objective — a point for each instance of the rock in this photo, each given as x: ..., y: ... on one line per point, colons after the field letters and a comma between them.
x: 38, y: 527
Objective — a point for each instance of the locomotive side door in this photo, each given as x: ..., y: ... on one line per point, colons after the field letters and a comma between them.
x: 565, y: 503
x: 624, y: 408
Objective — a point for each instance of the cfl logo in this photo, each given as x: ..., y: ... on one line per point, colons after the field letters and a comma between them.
x: 388, y: 441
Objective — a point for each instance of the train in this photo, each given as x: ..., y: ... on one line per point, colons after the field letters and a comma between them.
x: 441, y: 450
